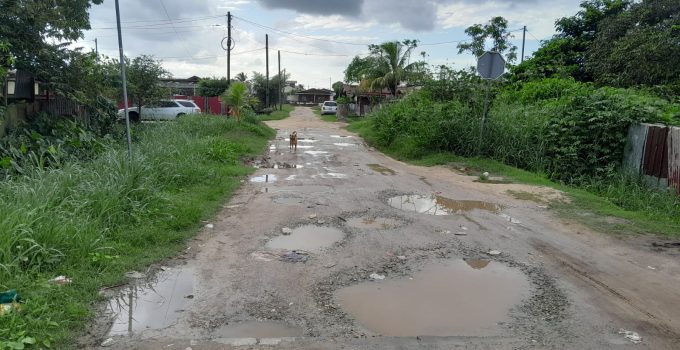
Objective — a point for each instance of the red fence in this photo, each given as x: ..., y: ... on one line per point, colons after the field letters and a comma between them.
x: 209, y: 105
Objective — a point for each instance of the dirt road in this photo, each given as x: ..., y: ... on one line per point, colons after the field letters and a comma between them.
x: 337, y: 246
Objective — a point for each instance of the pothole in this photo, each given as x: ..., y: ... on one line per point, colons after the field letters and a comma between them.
x: 156, y: 305
x: 288, y: 200
x: 255, y: 329
x: 373, y: 223
x: 449, y: 299
x: 308, y: 237
x: 438, y: 205
x: 381, y: 169
x: 263, y: 178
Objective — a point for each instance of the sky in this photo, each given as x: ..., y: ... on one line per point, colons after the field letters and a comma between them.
x: 317, y: 39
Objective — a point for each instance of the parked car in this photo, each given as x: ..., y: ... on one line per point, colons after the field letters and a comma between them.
x: 163, y: 110
x: 329, y: 107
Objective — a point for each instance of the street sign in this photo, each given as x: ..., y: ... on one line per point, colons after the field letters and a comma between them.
x: 491, y: 65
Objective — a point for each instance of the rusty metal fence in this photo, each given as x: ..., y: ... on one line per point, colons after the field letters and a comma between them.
x: 653, y: 151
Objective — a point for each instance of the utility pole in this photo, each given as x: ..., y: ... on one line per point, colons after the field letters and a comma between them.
x: 280, y: 77
x: 284, y: 80
x: 122, y: 77
x: 266, y: 46
x: 229, y: 48
x: 96, y: 48
x: 524, y: 36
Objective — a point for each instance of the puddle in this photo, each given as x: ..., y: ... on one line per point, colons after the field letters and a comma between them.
x: 254, y: 329
x: 477, y: 264
x: 316, y: 153
x: 377, y: 223
x: 438, y: 205
x: 307, y: 141
x: 447, y: 299
x: 304, y: 146
x: 381, y: 169
x: 288, y: 200
x: 343, y: 144
x: 308, y: 237
x: 291, y: 177
x: 340, y: 136
x: 263, y: 178
x: 153, y: 306
x: 330, y: 176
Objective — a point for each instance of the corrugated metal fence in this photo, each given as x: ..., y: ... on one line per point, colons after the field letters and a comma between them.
x: 653, y: 151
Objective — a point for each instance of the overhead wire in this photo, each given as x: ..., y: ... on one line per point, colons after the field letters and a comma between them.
x: 173, y: 25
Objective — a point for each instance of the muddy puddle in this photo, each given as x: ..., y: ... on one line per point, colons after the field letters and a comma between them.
x: 156, y: 305
x: 381, y: 169
x: 255, y: 329
x: 330, y: 176
x: 316, y: 153
x: 263, y: 178
x: 343, y: 144
x: 308, y: 237
x: 448, y: 299
x: 307, y: 140
x: 373, y: 223
x: 438, y: 205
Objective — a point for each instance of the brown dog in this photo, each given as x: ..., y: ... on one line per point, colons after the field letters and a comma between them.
x: 293, y: 141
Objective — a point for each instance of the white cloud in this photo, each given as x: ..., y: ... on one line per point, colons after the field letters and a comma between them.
x: 331, y: 22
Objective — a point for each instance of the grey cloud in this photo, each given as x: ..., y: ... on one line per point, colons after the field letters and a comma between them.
x: 345, y: 7
x: 416, y: 15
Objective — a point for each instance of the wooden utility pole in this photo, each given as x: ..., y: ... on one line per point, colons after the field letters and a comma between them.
x: 280, y: 83
x: 266, y: 46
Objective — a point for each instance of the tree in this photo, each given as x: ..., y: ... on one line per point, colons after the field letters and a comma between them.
x: 496, y: 31
x: 212, y: 86
x: 259, y: 87
x: 338, y: 87
x: 242, y: 77
x: 237, y: 98
x: 144, y: 77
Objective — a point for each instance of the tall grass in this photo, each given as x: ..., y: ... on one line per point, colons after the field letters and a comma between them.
x: 94, y: 220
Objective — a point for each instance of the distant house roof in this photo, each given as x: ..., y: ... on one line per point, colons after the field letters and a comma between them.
x: 316, y: 92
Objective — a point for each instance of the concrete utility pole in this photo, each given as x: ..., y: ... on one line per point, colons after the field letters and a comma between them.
x: 229, y: 48
x: 96, y: 48
x: 524, y: 36
x: 122, y: 78
x: 266, y: 46
x: 280, y: 83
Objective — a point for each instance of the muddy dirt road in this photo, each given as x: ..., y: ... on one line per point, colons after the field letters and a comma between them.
x: 337, y: 246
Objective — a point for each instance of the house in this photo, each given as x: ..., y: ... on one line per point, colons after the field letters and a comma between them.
x: 313, y: 96
x: 177, y: 86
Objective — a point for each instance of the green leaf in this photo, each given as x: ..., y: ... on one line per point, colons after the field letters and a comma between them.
x: 28, y: 340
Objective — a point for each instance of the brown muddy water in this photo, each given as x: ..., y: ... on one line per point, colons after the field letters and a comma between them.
x: 308, y: 237
x: 381, y: 169
x: 255, y: 329
x: 156, y: 305
x: 446, y: 299
x: 438, y: 205
x: 373, y: 223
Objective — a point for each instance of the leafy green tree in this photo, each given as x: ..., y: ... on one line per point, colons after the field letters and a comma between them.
x: 144, y: 76
x: 212, y: 86
x: 242, y: 77
x: 338, y: 87
x: 237, y: 98
x: 259, y: 87
x: 496, y: 30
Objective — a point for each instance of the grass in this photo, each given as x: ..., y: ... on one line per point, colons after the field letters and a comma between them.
x: 277, y: 115
x: 643, y: 210
x: 93, y: 221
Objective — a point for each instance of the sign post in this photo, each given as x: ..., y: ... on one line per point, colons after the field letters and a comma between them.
x: 490, y: 66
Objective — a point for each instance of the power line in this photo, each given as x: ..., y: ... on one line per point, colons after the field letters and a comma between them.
x: 208, y: 57
x: 163, y: 22
x: 535, y: 38
x: 299, y: 35
x: 172, y: 24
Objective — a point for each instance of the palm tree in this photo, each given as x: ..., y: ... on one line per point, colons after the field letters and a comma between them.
x: 242, y: 77
x: 236, y: 97
x: 390, y: 65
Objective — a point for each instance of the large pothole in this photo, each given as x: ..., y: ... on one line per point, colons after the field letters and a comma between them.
x: 307, y: 237
x: 438, y: 205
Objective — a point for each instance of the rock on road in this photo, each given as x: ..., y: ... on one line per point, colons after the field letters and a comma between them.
x: 337, y: 246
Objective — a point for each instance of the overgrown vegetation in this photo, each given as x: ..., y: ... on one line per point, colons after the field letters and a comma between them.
x: 92, y: 220
x: 278, y: 114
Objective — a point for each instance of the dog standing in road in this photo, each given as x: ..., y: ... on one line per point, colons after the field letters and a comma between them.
x: 293, y: 141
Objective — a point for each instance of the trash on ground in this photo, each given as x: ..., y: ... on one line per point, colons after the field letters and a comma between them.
x: 376, y: 276
x: 286, y: 230
x: 134, y: 274
x: 60, y: 280
x: 494, y: 252
x: 630, y: 335
x: 108, y: 342
x: 209, y: 226
x: 294, y: 256
x: 9, y: 296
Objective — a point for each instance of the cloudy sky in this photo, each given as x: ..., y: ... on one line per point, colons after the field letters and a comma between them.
x: 317, y: 38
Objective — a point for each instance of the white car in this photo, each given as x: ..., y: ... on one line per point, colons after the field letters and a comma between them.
x: 163, y: 110
x: 329, y: 107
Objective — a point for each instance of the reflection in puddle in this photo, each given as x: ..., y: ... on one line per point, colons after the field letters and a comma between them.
x: 307, y: 141
x: 343, y: 144
x: 304, y: 146
x: 153, y: 306
x: 330, y: 176
x: 477, y: 264
x: 340, y: 136
x: 316, y: 153
x: 308, y: 237
x: 263, y: 178
x: 442, y: 300
x: 438, y: 205
x: 381, y: 169
x: 254, y: 329
x: 368, y: 222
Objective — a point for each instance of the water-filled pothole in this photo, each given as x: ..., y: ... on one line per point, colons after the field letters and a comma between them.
x: 316, y: 153
x: 381, y: 169
x: 341, y: 136
x: 343, y: 144
x: 263, y: 178
x: 156, y: 305
x: 255, y: 329
x: 373, y: 223
x: 441, y: 300
x: 308, y: 237
x: 438, y: 205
